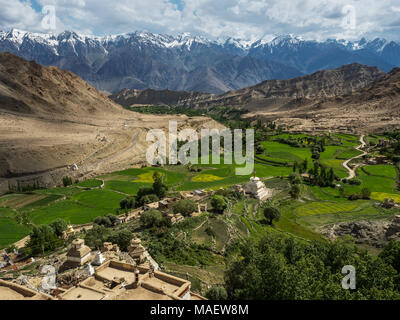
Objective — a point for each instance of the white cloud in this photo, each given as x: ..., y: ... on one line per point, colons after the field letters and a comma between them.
x: 251, y: 19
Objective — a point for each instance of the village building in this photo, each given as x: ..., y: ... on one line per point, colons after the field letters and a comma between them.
x: 150, y: 206
x: 171, y: 218
x: 179, y: 217
x: 13, y: 291
x: 79, y: 253
x: 202, y: 207
x: 116, y: 280
x: 137, y: 251
x: 108, y: 246
x: 257, y: 189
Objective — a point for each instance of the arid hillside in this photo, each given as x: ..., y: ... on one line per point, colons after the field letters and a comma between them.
x: 129, y: 98
x: 52, y: 120
x: 273, y: 94
x: 374, y: 108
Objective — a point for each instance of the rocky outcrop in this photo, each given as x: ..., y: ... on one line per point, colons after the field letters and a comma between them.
x: 372, y: 233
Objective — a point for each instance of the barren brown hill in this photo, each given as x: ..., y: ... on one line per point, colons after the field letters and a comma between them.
x: 129, y: 98
x: 51, y: 119
x: 278, y: 94
x: 374, y: 108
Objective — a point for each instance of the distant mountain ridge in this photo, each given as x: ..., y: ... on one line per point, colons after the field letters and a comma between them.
x: 143, y: 60
x: 269, y: 94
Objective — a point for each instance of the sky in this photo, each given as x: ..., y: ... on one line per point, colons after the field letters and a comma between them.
x: 242, y: 19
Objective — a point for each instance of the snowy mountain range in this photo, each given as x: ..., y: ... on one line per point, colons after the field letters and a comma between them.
x: 144, y: 60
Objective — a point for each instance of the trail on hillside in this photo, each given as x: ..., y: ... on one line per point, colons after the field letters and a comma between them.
x: 352, y: 171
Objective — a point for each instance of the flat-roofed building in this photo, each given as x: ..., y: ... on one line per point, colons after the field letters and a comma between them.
x: 12, y: 291
x: 116, y: 280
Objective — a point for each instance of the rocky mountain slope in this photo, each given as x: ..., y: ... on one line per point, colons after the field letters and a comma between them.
x: 271, y: 94
x: 373, y: 108
x: 135, y: 97
x: 352, y: 98
x: 54, y: 124
x: 144, y: 60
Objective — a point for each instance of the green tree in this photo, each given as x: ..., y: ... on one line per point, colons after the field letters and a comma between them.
x: 59, y: 226
x: 391, y: 254
x: 151, y: 218
x: 219, y: 203
x: 271, y: 213
x: 43, y: 239
x: 217, y: 293
x: 366, y: 193
x: 295, y: 191
x: 159, y: 188
x: 122, y: 238
x: 150, y: 198
x: 96, y: 236
x: 186, y: 207
x: 103, y: 221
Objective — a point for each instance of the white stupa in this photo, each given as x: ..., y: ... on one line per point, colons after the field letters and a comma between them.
x: 257, y: 189
x: 98, y: 259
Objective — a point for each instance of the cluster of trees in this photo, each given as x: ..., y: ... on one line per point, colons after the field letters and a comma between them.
x: 320, y: 175
x: 230, y: 193
x: 280, y: 267
x: 300, y: 167
x: 365, y: 194
x: 154, y: 219
x: 186, y: 207
x: 95, y: 237
x: 45, y: 238
x: 146, y: 195
x: 107, y: 221
x: 317, y: 144
x: 167, y: 246
x: 317, y: 148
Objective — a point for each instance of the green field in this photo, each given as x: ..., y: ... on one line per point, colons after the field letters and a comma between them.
x: 83, y: 202
x: 11, y: 232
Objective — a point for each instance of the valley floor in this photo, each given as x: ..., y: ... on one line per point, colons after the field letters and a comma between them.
x: 315, y: 209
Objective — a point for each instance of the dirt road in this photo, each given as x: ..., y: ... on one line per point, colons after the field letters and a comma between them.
x: 352, y: 171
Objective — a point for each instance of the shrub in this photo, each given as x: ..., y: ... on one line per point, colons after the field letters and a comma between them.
x: 217, y: 293
x: 210, y: 231
x: 11, y: 248
x: 151, y: 218
x: 366, y: 193
x: 150, y: 198
x: 219, y: 203
x: 67, y: 181
x: 127, y: 203
x: 103, y: 221
x: 186, y: 207
x: 354, y: 197
x: 122, y: 238
x: 355, y: 182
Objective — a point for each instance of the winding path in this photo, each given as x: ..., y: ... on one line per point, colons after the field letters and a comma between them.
x: 352, y: 171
